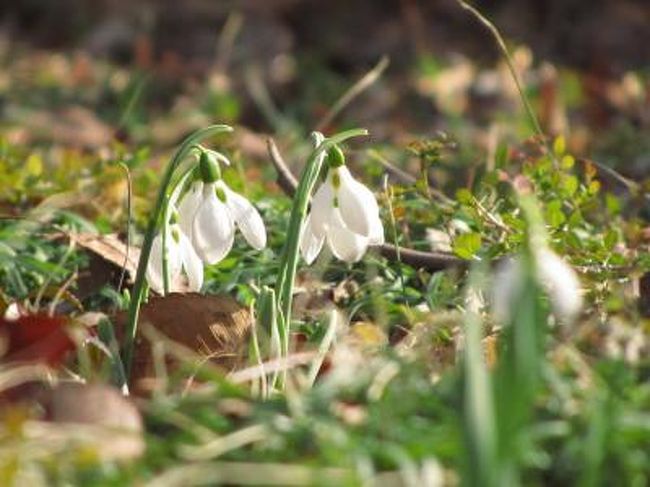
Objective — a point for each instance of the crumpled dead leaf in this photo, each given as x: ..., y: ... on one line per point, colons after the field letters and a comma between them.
x: 214, y: 328
x: 95, y: 416
x: 111, y: 249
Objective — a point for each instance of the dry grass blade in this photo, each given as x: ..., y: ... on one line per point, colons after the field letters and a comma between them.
x: 513, y: 72
x: 13, y: 376
x: 224, y: 444
x: 249, y: 473
x: 355, y: 90
x: 323, y: 347
x: 272, y: 366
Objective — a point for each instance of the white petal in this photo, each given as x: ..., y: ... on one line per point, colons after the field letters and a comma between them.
x: 376, y: 236
x: 246, y: 217
x: 507, y: 282
x: 213, y: 231
x: 558, y: 279
x: 322, y: 207
x: 357, y: 204
x: 310, y: 244
x: 561, y: 283
x: 192, y: 264
x: 154, y: 266
x: 188, y: 206
x: 345, y: 244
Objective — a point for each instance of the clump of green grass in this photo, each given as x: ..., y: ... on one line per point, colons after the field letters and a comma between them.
x: 460, y: 399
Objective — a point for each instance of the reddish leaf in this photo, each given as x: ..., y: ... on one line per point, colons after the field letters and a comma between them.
x: 36, y: 338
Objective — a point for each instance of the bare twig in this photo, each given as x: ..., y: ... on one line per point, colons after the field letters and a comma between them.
x: 258, y: 91
x: 226, y: 40
x: 286, y: 180
x: 432, y: 261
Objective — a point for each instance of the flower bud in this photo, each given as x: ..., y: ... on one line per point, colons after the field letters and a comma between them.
x: 557, y: 278
x: 335, y: 157
x: 208, y: 168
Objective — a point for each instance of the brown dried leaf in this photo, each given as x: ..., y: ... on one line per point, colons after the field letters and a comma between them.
x: 213, y: 327
x: 111, y: 249
x: 111, y: 423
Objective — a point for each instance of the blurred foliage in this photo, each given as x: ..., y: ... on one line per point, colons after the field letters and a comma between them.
x: 72, y: 125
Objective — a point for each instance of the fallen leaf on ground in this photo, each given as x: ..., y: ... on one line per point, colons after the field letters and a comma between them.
x: 215, y: 328
x: 103, y: 419
x: 111, y: 249
x: 35, y: 338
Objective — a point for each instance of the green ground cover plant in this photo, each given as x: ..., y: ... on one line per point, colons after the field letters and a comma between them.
x: 418, y: 311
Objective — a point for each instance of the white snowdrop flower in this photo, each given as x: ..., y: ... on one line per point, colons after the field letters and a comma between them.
x: 210, y: 211
x: 344, y: 213
x: 558, y: 279
x: 180, y: 256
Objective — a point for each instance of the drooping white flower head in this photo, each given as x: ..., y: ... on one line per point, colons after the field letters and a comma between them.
x: 344, y: 213
x: 180, y: 256
x: 558, y: 279
x: 209, y: 212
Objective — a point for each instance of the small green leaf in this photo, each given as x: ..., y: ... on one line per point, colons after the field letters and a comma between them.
x: 464, y: 196
x: 501, y: 156
x: 570, y: 184
x: 611, y: 239
x: 466, y: 245
x: 576, y: 218
x: 594, y: 187
x: 613, y: 204
x: 567, y: 162
x: 559, y: 145
x: 34, y: 165
x: 554, y: 214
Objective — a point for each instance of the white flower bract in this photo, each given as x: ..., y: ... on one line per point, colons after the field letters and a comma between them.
x: 558, y: 279
x: 345, y: 214
x: 180, y: 256
x: 208, y: 215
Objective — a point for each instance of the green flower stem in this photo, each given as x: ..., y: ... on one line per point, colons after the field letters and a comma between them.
x: 479, y: 423
x: 152, y: 227
x: 290, y: 253
x: 172, y: 196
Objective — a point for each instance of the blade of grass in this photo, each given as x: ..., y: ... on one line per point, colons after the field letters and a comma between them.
x: 323, y: 347
x: 479, y: 416
x: 532, y: 118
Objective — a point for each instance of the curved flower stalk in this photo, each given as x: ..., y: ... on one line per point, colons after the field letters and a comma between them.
x: 180, y: 255
x: 158, y: 214
x: 210, y: 210
x: 284, y: 286
x: 344, y: 213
